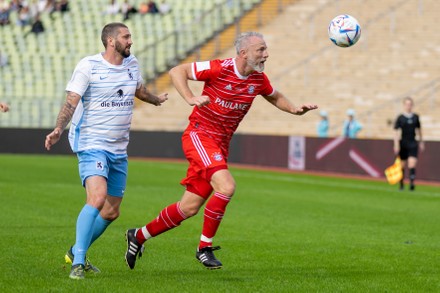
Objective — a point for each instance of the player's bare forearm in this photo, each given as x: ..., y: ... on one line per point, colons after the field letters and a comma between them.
x: 396, y: 137
x: 419, y: 134
x: 179, y: 76
x: 66, y: 112
x: 144, y: 95
x: 421, y: 142
x: 282, y: 103
x: 396, y: 145
x: 64, y: 117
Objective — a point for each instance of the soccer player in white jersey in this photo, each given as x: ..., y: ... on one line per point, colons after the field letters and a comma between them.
x: 100, y: 99
x: 231, y: 85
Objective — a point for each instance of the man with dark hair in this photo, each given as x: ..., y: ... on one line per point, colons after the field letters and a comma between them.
x: 407, y: 127
x: 231, y: 85
x: 100, y: 100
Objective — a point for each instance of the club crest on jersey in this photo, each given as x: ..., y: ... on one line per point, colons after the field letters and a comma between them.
x: 217, y: 156
x: 99, y: 165
x: 251, y: 89
x: 130, y: 75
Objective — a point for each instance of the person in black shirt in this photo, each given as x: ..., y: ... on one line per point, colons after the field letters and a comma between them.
x: 407, y: 127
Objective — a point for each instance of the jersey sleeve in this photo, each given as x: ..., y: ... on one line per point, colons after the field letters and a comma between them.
x: 418, y: 125
x: 140, y: 80
x: 80, y: 78
x: 266, y: 87
x: 206, y: 70
x: 397, y: 124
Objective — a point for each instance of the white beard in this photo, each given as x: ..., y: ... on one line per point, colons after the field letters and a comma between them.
x: 257, y: 67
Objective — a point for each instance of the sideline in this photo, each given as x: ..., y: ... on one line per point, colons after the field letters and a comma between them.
x: 287, y: 171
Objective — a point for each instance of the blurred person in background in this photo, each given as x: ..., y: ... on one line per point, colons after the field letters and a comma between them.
x: 152, y: 7
x: 24, y: 16
x: 164, y: 7
x: 127, y: 9
x: 112, y: 8
x: 143, y: 8
x: 62, y: 6
x: 323, y: 124
x: 5, y: 10
x: 407, y: 128
x: 37, y: 26
x: 351, y: 126
x: 4, y: 60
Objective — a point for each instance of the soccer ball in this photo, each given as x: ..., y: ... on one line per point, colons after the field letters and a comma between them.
x: 344, y: 30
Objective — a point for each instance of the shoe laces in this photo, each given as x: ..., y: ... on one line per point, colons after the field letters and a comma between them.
x: 210, y: 248
x: 208, y: 251
x: 78, y: 268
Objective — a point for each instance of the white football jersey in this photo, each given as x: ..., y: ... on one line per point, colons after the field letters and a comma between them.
x: 102, y: 118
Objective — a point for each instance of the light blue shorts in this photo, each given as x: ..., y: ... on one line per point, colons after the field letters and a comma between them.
x: 102, y: 163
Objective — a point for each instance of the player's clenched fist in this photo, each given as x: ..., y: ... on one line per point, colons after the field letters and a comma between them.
x: 199, y: 101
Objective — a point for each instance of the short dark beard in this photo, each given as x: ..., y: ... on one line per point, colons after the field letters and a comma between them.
x: 121, y: 50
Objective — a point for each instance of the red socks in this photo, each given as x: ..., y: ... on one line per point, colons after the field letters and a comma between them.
x: 214, y: 211
x: 168, y: 218
x: 171, y: 217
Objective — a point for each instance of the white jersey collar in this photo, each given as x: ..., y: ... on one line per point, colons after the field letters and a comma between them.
x: 236, y: 70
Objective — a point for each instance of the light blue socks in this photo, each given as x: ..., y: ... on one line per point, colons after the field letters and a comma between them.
x: 84, y: 231
x: 99, y: 227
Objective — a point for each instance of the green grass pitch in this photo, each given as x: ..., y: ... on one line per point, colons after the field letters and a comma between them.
x: 282, y: 232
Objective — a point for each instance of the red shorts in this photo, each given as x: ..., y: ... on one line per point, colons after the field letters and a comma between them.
x: 205, y: 158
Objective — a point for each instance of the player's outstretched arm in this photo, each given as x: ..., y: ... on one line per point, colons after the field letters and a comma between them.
x: 64, y: 117
x: 180, y: 76
x: 144, y: 95
x: 282, y: 103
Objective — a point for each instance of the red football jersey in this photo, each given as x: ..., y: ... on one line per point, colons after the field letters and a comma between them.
x: 231, y: 96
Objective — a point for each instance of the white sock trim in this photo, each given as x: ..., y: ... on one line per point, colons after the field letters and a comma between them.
x: 205, y: 239
x: 145, y: 232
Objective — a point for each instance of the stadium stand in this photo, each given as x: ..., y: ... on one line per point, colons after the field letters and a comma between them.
x: 40, y: 65
x: 396, y: 56
x: 371, y: 77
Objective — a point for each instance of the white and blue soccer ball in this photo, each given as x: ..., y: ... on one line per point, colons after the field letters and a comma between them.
x: 344, y: 30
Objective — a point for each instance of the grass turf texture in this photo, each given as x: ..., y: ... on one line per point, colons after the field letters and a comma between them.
x: 282, y: 233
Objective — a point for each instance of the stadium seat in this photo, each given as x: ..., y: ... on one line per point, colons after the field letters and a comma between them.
x: 313, y: 71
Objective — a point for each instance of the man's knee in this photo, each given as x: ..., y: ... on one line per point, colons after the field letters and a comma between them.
x: 227, y: 188
x: 110, y: 215
x: 96, y: 190
x: 223, y: 182
x: 96, y: 201
x: 190, y: 211
x: 190, y: 203
x: 412, y: 162
x: 110, y: 210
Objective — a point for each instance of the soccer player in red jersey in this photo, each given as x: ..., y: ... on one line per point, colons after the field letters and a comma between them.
x: 230, y: 88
